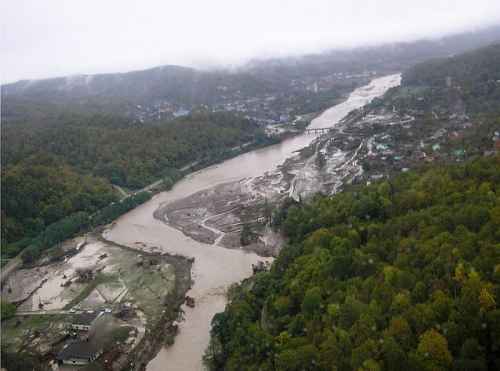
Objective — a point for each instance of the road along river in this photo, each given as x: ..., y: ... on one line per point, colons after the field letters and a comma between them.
x: 215, y: 268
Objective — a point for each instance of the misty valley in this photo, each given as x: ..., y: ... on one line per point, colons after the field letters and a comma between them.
x: 336, y: 210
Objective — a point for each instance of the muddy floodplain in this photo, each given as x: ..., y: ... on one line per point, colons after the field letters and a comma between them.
x: 136, y: 291
x: 216, y: 216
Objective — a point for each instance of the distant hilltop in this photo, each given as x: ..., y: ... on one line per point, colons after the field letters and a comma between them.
x: 186, y: 87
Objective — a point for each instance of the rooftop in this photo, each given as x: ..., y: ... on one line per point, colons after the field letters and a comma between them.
x: 78, y: 349
x: 85, y: 318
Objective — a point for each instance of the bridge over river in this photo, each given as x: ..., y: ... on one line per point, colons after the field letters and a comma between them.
x: 317, y: 130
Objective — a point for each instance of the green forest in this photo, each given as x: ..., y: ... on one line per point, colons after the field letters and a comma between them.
x: 41, y: 190
x: 128, y: 154
x: 52, y: 171
x: 34, y: 244
x: 472, y: 77
x: 403, y: 274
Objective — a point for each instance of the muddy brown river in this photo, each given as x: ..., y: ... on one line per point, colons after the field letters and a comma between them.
x: 216, y: 268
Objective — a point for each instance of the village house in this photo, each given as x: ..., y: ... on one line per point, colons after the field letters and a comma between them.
x: 79, y: 353
x: 84, y: 321
x: 181, y: 112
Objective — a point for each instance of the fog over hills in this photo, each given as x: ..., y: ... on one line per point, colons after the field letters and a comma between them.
x: 55, y: 38
x: 186, y: 87
x: 250, y: 185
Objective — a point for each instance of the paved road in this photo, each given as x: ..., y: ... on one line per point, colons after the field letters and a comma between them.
x: 48, y: 312
x: 122, y: 192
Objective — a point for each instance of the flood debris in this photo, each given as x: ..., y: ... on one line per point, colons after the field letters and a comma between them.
x: 260, y: 267
x: 79, y: 310
x: 190, y: 301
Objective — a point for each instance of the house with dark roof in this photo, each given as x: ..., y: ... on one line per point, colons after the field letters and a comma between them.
x: 84, y: 321
x: 80, y: 352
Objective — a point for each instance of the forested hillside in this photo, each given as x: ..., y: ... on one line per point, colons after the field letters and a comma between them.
x: 176, y: 83
x: 403, y: 274
x: 291, y: 81
x: 53, y: 171
x: 400, y: 275
x: 128, y: 154
x: 474, y: 76
x: 41, y: 190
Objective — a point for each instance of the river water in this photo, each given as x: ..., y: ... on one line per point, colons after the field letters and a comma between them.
x: 216, y: 268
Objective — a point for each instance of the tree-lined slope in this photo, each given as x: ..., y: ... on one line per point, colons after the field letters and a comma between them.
x: 41, y: 190
x: 129, y: 154
x: 290, y: 80
x: 52, y: 171
x: 397, y: 275
x: 473, y: 76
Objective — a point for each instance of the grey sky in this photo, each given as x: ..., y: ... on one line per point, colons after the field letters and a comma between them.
x: 43, y: 38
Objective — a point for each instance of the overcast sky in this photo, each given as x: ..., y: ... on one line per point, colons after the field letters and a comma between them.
x: 44, y: 38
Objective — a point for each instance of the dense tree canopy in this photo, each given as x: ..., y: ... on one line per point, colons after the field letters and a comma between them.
x: 129, y: 154
x: 54, y: 170
x: 41, y: 190
x: 474, y: 76
x: 69, y: 226
x: 403, y: 274
x: 8, y: 310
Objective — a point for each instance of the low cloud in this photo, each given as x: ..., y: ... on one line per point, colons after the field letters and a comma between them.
x: 59, y: 37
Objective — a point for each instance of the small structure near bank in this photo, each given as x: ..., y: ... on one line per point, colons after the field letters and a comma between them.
x: 190, y: 301
x: 84, y: 321
x: 80, y: 352
x: 260, y: 267
x: 84, y: 274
